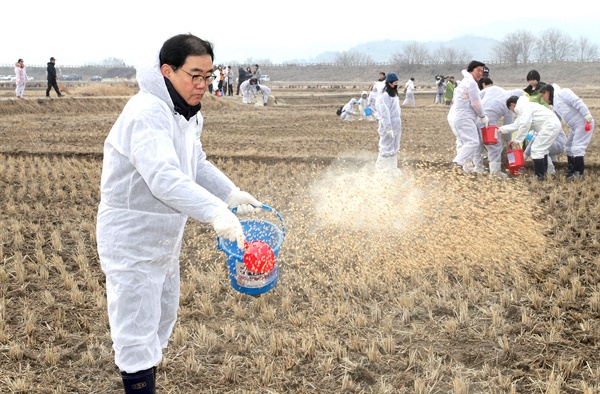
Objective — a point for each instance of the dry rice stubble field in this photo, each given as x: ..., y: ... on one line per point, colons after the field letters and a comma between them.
x: 429, y: 283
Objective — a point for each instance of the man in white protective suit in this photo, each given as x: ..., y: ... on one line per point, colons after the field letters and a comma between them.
x: 348, y: 110
x: 572, y: 110
x: 493, y: 100
x: 468, y: 116
x: 539, y: 119
x: 248, y: 89
x: 154, y: 176
x: 390, y: 126
x: 375, y: 90
x: 409, y: 90
x: 265, y: 91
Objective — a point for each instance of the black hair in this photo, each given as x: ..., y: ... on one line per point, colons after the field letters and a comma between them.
x: 533, y: 75
x: 550, y: 89
x: 487, y: 81
x: 19, y: 61
x: 474, y: 64
x: 176, y: 49
x: 511, y: 100
x: 253, y: 80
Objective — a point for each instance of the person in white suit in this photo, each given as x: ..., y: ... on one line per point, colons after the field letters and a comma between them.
x: 573, y: 111
x: 390, y: 125
x: 542, y: 121
x: 155, y: 175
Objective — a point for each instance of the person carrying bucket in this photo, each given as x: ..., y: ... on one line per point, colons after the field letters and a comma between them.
x: 542, y: 121
x: 155, y: 175
x: 493, y: 101
x: 390, y: 126
x: 366, y: 112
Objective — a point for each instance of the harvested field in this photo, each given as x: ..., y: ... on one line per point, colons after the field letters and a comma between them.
x: 430, y: 283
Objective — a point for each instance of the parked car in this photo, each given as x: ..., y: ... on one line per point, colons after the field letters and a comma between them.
x: 30, y: 78
x: 96, y: 78
x: 265, y: 78
x: 69, y: 78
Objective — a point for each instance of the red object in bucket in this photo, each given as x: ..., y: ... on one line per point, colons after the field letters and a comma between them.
x: 488, y: 135
x: 515, y: 158
x: 259, y: 258
x: 588, y: 126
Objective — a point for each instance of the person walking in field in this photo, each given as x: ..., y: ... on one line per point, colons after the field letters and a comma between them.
x: 467, y: 118
x: 51, y: 75
x: 155, y: 175
x: 409, y: 90
x: 572, y: 110
x: 21, y: 74
x: 440, y: 89
x: 542, y: 121
x: 390, y: 126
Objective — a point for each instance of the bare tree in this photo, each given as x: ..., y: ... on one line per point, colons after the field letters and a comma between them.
x: 586, y: 50
x: 450, y: 55
x: 554, y: 45
x: 527, y: 42
x: 112, y: 62
x: 509, y: 49
x: 350, y: 58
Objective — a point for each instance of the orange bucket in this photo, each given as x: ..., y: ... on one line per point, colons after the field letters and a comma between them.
x: 515, y: 158
x: 488, y: 135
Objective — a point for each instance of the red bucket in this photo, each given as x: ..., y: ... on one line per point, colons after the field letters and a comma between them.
x: 488, y: 135
x: 515, y: 158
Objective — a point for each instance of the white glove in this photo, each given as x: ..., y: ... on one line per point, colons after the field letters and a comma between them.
x: 589, y: 118
x: 502, y: 130
x: 484, y: 119
x: 228, y: 226
x: 244, y: 202
x: 390, y: 133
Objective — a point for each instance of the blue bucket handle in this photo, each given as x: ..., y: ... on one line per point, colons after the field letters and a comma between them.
x: 270, y: 209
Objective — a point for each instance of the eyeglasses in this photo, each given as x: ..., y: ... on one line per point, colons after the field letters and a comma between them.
x: 197, y: 78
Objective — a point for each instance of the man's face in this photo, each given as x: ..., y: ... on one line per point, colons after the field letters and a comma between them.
x: 477, y: 73
x: 381, y: 76
x: 546, y: 97
x: 512, y: 106
x: 197, y: 67
x: 533, y: 82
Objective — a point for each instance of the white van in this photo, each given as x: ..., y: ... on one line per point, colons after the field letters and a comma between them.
x: 265, y: 78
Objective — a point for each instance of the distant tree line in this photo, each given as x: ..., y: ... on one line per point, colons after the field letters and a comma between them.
x: 522, y: 46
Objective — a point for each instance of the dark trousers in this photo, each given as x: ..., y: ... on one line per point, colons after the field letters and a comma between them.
x: 230, y: 89
x: 52, y: 84
x: 238, y: 87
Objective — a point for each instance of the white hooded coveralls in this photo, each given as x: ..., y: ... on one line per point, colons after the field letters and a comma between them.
x: 536, y: 117
x: 467, y: 109
x: 377, y: 88
x: 266, y: 92
x: 389, y: 119
x: 248, y: 91
x: 410, y: 93
x: 571, y: 109
x: 493, y: 100
x: 348, y: 110
x: 154, y: 175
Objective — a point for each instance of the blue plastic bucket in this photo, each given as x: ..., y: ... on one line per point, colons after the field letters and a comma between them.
x: 241, y: 279
x: 368, y: 111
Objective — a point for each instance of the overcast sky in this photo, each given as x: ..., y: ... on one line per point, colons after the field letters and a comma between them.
x: 80, y: 32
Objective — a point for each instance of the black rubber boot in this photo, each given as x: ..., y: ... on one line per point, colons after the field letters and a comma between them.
x: 578, y: 167
x: 545, y: 164
x: 141, y: 382
x: 540, y: 168
x: 570, y: 163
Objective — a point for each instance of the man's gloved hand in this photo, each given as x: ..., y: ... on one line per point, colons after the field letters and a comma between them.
x: 390, y: 133
x: 589, y: 118
x: 502, y: 130
x: 244, y: 202
x: 484, y: 119
x: 228, y: 226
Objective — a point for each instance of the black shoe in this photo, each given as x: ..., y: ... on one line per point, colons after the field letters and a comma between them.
x: 574, y: 176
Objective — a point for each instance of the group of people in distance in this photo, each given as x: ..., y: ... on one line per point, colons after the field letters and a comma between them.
x: 529, y: 118
x: 539, y: 108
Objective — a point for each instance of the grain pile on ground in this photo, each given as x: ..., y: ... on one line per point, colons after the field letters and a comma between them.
x: 429, y: 283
